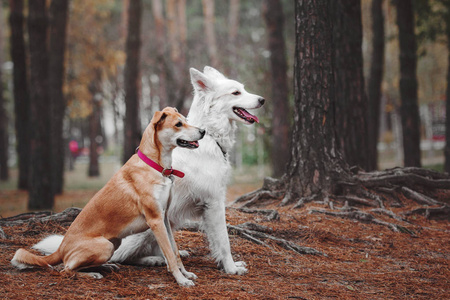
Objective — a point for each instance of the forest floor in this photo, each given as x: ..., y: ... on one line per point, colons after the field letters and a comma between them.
x: 360, y: 261
x: 363, y: 261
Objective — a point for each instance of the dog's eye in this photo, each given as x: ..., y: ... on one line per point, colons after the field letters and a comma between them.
x: 237, y: 93
x: 179, y: 124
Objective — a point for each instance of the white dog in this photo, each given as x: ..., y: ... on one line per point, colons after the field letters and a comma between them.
x: 218, y: 103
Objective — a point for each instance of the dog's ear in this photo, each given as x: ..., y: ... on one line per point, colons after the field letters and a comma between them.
x: 158, y: 118
x: 200, y: 82
x: 213, y: 73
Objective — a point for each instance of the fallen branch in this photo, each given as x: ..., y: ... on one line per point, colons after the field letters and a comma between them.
x: 270, y: 214
x: 3, y: 234
x: 418, y: 197
x: 65, y: 217
x: 409, y: 179
x: 352, y: 200
x: 432, y: 213
x: 255, y: 237
x: 362, y: 217
x: 388, y: 213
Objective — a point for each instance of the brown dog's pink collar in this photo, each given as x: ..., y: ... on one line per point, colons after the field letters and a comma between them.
x: 163, y: 171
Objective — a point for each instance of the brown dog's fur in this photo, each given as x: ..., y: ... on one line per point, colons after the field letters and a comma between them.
x: 135, y: 199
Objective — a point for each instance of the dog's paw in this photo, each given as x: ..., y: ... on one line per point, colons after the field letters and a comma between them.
x: 186, y: 282
x: 241, y: 271
x: 109, y: 267
x: 190, y: 275
x: 94, y: 275
x: 239, y: 268
x: 184, y: 253
x: 153, y: 261
x: 240, y: 264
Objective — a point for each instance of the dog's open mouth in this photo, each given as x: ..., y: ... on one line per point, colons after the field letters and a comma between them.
x: 245, y: 115
x: 187, y: 144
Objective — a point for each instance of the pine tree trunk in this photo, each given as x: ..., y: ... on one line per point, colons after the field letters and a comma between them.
x: 41, y: 192
x: 161, y: 87
x: 233, y: 27
x: 315, y: 159
x: 447, y: 106
x: 58, y: 23
x: 210, y: 36
x: 132, y: 77
x: 274, y: 17
x: 351, y: 100
x: 4, y: 143
x: 20, y: 89
x: 375, y: 80
x: 409, y: 109
x: 94, y: 132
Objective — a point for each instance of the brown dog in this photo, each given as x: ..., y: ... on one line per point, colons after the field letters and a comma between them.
x: 135, y: 198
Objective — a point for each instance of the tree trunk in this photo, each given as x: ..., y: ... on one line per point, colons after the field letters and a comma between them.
x: 447, y: 106
x: 408, y: 84
x: 351, y: 100
x: 375, y: 80
x: 233, y: 27
x: 4, y: 143
x: 132, y: 77
x: 94, y: 133
x: 210, y: 35
x: 41, y: 193
x: 177, y: 83
x: 58, y: 24
x: 161, y: 87
x: 20, y: 89
x: 274, y: 17
x: 314, y: 152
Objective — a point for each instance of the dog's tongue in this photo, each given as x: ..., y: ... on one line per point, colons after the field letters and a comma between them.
x: 195, y: 143
x: 249, y: 116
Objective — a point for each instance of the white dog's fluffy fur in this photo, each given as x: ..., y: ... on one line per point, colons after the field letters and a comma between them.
x: 217, y: 104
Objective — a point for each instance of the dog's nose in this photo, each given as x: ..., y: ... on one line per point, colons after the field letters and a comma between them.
x: 202, y: 132
x: 261, y: 101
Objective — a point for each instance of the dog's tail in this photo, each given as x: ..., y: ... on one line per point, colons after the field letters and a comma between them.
x: 49, y: 245
x: 24, y: 259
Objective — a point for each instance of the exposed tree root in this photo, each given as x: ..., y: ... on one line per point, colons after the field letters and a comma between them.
x: 255, y: 235
x: 362, y: 217
x: 378, y: 190
x: 432, y: 213
x: 270, y: 214
x: 65, y: 217
x: 3, y: 234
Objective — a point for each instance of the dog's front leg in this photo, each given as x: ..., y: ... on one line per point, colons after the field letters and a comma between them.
x: 215, y: 227
x: 188, y: 275
x: 161, y: 234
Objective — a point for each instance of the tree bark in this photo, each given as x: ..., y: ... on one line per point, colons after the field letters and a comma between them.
x: 374, y: 82
x: 132, y: 77
x: 409, y: 109
x: 176, y: 83
x: 274, y: 17
x: 210, y: 36
x: 4, y: 143
x: 58, y: 23
x: 22, y: 103
x: 161, y: 86
x: 315, y: 157
x: 351, y: 100
x: 94, y: 132
x: 41, y: 192
x: 447, y: 106
x: 233, y: 27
